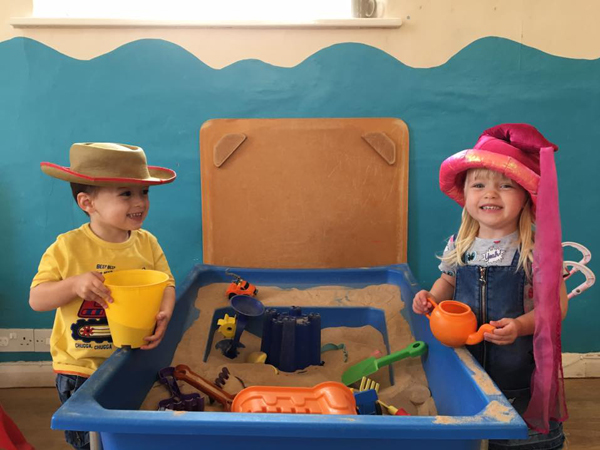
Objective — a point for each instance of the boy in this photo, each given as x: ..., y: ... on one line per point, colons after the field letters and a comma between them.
x: 110, y: 184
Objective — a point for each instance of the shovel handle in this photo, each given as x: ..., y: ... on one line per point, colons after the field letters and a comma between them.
x: 417, y: 348
x: 184, y: 373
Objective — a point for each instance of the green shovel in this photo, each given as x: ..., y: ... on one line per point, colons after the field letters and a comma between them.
x: 372, y: 364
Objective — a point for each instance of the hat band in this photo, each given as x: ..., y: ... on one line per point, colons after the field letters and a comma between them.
x: 158, y: 175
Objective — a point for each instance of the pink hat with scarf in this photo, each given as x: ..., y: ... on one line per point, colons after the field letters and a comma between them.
x: 513, y: 149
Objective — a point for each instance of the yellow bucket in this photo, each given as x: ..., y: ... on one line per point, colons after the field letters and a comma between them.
x: 137, y: 295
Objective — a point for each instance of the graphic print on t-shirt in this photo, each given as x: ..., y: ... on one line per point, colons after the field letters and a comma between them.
x: 493, y: 255
x: 93, y: 325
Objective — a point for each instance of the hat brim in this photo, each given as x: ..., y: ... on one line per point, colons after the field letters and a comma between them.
x: 158, y: 175
x: 453, y: 171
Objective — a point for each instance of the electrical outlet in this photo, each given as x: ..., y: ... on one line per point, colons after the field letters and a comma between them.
x: 16, y: 340
x: 41, y: 340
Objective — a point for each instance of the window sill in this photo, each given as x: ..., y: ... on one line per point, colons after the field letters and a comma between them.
x: 43, y: 22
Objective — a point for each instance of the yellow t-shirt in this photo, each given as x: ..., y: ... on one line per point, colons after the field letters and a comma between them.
x: 81, y: 338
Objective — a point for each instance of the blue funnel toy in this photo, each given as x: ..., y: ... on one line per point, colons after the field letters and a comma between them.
x: 245, y: 307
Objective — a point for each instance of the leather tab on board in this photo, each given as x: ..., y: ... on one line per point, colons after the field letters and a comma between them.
x: 383, y: 145
x: 226, y: 146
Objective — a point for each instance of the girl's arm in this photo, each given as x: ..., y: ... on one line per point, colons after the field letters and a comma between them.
x: 442, y: 289
x: 507, y: 330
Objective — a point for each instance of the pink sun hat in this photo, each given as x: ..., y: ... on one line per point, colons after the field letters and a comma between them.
x: 513, y: 149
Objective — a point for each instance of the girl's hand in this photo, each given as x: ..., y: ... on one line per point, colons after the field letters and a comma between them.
x: 420, y: 303
x: 507, y: 330
x: 90, y: 286
x: 162, y: 320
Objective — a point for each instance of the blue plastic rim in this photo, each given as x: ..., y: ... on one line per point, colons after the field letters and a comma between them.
x: 108, y: 402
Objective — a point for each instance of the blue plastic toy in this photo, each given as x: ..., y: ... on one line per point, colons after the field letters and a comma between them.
x: 291, y: 340
x: 245, y: 307
x: 366, y: 402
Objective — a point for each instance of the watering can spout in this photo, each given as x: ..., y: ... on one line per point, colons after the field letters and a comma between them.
x: 477, y: 337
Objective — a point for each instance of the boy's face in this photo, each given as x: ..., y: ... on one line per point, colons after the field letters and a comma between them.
x: 494, y: 201
x: 114, y: 211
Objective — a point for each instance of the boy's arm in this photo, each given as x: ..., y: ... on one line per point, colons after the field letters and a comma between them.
x: 510, y: 329
x: 50, y: 295
x: 162, y: 319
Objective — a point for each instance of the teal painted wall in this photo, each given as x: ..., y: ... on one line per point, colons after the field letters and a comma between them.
x: 155, y: 94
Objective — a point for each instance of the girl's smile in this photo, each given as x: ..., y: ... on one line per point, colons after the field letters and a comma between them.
x: 494, y: 201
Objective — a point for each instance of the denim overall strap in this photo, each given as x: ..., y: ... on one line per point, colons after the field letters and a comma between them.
x: 493, y: 293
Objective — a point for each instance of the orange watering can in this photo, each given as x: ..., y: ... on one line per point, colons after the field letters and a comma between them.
x: 454, y: 324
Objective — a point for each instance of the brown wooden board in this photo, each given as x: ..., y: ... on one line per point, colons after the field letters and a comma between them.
x: 304, y: 193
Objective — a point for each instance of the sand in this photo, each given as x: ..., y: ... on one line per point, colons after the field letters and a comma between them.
x: 409, y: 391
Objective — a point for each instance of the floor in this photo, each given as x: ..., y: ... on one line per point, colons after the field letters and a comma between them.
x: 31, y: 409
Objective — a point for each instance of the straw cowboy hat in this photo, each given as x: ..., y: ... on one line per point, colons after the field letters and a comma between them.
x: 513, y: 149
x: 108, y: 164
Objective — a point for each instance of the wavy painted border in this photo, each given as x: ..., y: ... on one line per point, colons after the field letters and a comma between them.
x: 431, y: 34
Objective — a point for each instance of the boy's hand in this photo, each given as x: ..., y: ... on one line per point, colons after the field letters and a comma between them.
x: 162, y: 320
x: 420, y: 303
x: 507, y: 330
x: 90, y: 286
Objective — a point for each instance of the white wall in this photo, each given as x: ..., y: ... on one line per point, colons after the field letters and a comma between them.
x: 432, y: 32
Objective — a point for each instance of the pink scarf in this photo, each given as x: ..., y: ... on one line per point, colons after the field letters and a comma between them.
x: 548, y: 396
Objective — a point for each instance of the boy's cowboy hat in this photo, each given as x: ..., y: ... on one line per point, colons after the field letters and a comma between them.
x: 108, y: 164
x: 513, y: 149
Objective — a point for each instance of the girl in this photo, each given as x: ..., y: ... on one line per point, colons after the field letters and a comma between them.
x: 488, y: 264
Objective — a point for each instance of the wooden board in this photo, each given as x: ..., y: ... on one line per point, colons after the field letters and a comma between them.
x: 304, y: 193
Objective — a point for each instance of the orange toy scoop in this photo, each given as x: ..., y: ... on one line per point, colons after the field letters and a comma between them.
x: 329, y: 397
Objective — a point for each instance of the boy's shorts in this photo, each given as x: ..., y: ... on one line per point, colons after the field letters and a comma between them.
x: 66, y: 386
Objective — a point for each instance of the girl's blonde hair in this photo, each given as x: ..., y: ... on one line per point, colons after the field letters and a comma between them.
x: 469, y: 229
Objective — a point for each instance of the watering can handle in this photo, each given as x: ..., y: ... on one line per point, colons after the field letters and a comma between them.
x: 432, y: 301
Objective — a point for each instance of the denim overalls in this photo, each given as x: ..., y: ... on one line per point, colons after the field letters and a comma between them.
x: 495, y: 292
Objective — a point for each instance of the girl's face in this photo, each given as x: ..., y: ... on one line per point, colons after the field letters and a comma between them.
x: 115, y: 211
x: 494, y: 201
